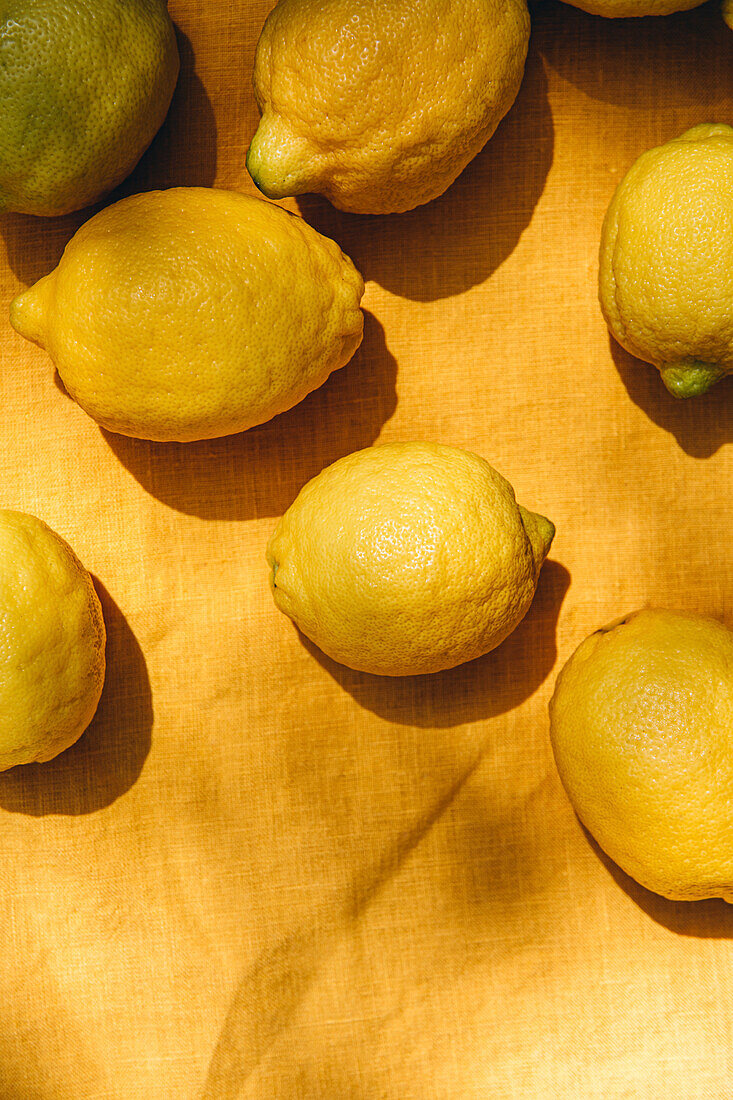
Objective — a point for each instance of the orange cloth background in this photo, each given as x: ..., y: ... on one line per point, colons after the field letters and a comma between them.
x: 262, y: 876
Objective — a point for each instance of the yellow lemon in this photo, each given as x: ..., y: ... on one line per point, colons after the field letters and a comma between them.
x: 84, y: 85
x: 407, y: 558
x: 666, y: 259
x: 621, y: 9
x: 193, y: 313
x: 642, y: 729
x: 51, y: 643
x: 380, y: 104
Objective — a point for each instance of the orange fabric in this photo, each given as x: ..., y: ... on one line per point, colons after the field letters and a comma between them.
x: 262, y: 876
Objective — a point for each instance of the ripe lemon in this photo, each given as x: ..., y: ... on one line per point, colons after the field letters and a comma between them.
x: 193, y: 313
x: 407, y: 558
x: 85, y: 85
x: 380, y: 104
x: 51, y: 643
x: 621, y: 9
x: 666, y: 259
x: 642, y: 729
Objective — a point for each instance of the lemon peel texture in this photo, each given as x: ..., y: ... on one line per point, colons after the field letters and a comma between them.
x: 84, y: 87
x: 407, y: 558
x: 666, y: 259
x: 380, y: 104
x: 194, y: 313
x: 52, y: 640
x: 641, y: 725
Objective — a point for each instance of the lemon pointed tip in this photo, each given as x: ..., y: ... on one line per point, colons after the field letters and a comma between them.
x: 28, y: 311
x: 540, y: 532
x: 690, y: 378
x: 278, y: 160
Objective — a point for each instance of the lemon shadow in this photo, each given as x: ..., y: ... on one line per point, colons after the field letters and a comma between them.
x: 258, y: 473
x: 480, y: 689
x: 341, y: 773
x: 498, y: 864
x: 701, y: 425
x: 709, y: 919
x: 109, y: 756
x: 458, y: 240
x: 183, y: 152
x: 656, y: 65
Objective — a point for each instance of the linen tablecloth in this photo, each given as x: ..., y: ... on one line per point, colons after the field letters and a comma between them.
x: 262, y: 876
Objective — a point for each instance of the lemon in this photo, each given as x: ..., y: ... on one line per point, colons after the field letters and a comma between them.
x: 193, y: 313
x: 407, y: 558
x: 642, y: 730
x: 666, y: 259
x: 620, y: 9
x: 85, y: 85
x: 51, y: 643
x: 380, y: 104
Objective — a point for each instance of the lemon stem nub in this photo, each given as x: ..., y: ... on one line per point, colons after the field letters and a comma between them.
x: 278, y: 159
x: 540, y: 532
x: 28, y: 311
x: 690, y: 377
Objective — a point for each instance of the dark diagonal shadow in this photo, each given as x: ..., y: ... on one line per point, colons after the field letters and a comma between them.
x: 272, y: 989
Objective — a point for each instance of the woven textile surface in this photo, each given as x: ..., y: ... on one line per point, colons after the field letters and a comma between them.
x: 261, y: 876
